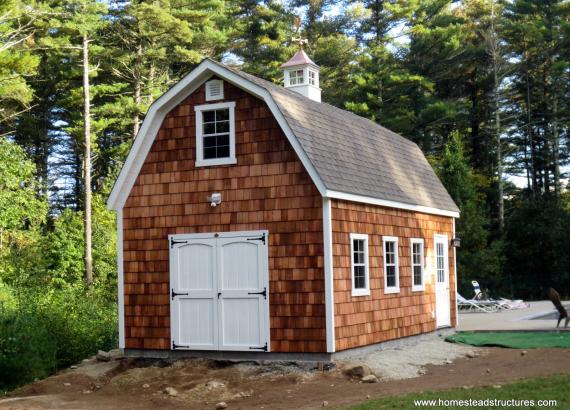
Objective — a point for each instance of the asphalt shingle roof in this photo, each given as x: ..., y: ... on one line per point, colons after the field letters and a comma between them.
x: 354, y: 155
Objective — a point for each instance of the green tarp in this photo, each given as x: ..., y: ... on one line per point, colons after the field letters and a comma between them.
x: 515, y: 340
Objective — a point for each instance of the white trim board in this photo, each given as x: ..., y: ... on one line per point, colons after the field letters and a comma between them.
x: 329, y: 275
x: 390, y: 204
x: 120, y: 279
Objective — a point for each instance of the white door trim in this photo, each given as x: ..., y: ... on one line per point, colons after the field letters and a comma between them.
x: 180, y: 240
x: 441, y: 238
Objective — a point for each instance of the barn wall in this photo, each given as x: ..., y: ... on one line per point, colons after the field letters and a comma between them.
x: 364, y: 320
x: 267, y: 189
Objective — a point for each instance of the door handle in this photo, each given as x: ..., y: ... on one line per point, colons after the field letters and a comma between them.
x: 219, y: 294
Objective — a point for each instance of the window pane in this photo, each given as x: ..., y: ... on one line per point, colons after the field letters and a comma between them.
x: 359, y: 277
x: 210, y: 153
x: 223, y: 152
x: 223, y: 115
x: 223, y: 140
x: 209, y: 142
x: 209, y: 128
x: 223, y: 126
x: 391, y: 276
x: 417, y: 275
x: 208, y: 116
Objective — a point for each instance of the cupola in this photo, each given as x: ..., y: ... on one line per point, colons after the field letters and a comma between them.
x: 301, y: 75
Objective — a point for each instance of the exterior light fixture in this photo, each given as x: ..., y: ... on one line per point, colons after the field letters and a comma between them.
x: 215, y: 199
x: 456, y: 242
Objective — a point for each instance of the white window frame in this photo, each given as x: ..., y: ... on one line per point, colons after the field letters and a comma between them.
x: 200, y: 161
x: 420, y: 241
x: 315, y: 78
x: 296, y: 70
x: 396, y: 288
x: 360, y: 291
x: 209, y: 96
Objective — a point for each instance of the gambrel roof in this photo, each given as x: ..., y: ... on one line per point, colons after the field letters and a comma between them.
x: 347, y: 156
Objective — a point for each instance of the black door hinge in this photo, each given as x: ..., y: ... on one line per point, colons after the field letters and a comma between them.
x: 264, y: 348
x: 173, y: 242
x: 264, y: 293
x: 260, y: 238
x: 175, y: 346
x: 173, y: 293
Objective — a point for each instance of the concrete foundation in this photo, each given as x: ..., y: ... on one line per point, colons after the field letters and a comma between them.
x: 358, y: 352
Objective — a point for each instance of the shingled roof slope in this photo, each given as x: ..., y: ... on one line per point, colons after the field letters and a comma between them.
x: 354, y: 155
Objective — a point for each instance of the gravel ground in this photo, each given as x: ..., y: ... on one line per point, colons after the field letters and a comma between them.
x: 407, y: 360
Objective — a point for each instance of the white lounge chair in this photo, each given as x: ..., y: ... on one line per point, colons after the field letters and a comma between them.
x: 475, y: 306
x: 502, y: 303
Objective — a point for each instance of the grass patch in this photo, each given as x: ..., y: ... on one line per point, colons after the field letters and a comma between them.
x: 545, y: 388
x: 515, y: 340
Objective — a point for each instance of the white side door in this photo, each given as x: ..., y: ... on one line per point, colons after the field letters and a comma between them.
x: 442, y: 295
x: 193, y: 293
x: 243, y: 290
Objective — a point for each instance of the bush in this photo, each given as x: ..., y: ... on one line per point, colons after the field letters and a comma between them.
x: 53, y: 330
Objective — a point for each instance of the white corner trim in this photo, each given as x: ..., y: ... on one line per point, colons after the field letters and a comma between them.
x: 120, y: 279
x: 361, y: 291
x: 418, y: 288
x: 329, y: 275
x: 200, y: 161
x: 455, y: 276
x: 169, y: 100
x: 390, y: 204
x: 396, y: 288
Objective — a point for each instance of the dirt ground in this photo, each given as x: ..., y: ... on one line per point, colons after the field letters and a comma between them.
x: 200, y: 384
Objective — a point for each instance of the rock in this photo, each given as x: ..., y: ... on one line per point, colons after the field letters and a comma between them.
x: 67, y: 384
x: 87, y: 392
x: 448, y: 361
x: 145, y: 386
x: 367, y: 397
x: 523, y: 353
x: 370, y: 379
x: 116, y: 354
x: 171, y: 391
x: 325, y: 403
x: 471, y: 355
x: 497, y: 386
x: 103, y: 356
x: 73, y: 367
x: 221, y: 405
x: 422, y: 372
x: 248, y: 393
x: 355, y: 369
x: 488, y: 371
x: 214, y: 384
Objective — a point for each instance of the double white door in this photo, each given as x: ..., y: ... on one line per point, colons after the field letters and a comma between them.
x: 219, y: 291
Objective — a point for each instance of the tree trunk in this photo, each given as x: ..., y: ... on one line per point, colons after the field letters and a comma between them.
x: 137, y: 91
x: 556, y: 148
x: 87, y: 163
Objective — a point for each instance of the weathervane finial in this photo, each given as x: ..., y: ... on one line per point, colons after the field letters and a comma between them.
x: 299, y: 40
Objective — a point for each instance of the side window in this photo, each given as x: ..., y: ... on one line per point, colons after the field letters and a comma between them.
x: 417, y: 263
x: 359, y: 264
x: 391, y: 268
x: 215, y: 134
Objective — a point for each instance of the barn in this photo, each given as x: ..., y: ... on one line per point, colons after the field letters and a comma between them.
x: 256, y: 221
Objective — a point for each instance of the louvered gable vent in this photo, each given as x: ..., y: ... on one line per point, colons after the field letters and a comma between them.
x: 214, y: 90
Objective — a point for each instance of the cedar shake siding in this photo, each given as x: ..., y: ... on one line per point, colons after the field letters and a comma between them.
x: 268, y: 188
x: 363, y: 320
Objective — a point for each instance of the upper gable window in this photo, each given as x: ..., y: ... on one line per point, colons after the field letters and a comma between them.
x: 215, y: 134
x: 214, y: 90
x: 296, y: 77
